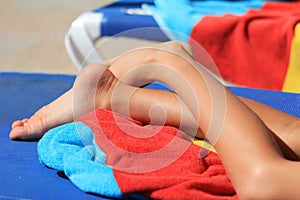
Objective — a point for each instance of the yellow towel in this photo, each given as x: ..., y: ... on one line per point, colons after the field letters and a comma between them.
x: 292, y: 79
x: 204, y: 144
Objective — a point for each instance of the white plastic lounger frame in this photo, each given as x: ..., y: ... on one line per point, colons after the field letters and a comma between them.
x: 79, y: 40
x: 112, y: 20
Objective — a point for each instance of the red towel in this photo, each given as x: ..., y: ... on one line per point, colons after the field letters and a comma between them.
x: 254, y: 49
x: 187, y: 176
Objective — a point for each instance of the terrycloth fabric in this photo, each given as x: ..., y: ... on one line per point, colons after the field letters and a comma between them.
x: 292, y: 83
x: 71, y: 148
x: 108, y: 154
x: 177, y: 18
x: 254, y: 49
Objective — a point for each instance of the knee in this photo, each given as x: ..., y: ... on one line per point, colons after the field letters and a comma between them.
x: 92, y: 71
x: 185, y: 47
x: 179, y: 47
x: 90, y: 75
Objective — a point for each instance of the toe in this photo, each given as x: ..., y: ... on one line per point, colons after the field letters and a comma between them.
x: 16, y: 123
x: 17, y: 132
x: 24, y: 133
x: 19, y: 123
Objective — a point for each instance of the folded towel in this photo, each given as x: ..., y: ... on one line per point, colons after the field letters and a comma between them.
x: 251, y: 50
x: 109, y: 154
x: 291, y: 82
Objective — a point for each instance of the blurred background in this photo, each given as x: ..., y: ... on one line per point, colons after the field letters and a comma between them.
x: 32, y: 34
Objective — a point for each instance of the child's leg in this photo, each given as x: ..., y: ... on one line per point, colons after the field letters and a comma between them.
x: 60, y: 111
x: 41, y: 121
x: 249, y: 153
x: 285, y: 126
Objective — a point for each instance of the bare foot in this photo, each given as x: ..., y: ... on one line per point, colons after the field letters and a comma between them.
x: 32, y: 128
x: 60, y: 111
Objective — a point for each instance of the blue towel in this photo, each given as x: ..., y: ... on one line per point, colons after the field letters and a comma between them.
x: 177, y: 18
x: 71, y: 148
